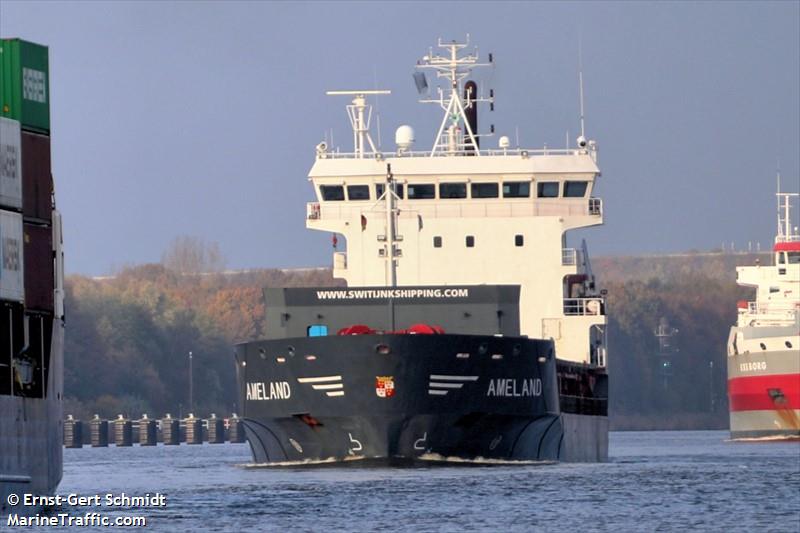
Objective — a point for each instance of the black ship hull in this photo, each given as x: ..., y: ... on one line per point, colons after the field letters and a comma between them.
x: 392, y: 398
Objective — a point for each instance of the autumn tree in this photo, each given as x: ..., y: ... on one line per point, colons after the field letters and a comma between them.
x: 192, y: 255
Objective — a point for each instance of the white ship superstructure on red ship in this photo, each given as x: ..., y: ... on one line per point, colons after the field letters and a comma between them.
x: 764, y: 346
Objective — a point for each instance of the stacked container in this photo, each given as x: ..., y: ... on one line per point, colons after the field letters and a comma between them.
x: 27, y: 274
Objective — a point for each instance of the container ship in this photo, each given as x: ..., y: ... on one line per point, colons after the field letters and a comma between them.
x: 31, y: 280
x: 764, y: 345
x: 469, y: 329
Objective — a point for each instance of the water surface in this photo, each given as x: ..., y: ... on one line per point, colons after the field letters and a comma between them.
x: 654, y: 481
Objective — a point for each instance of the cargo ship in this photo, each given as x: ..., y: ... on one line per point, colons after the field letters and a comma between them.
x: 31, y: 280
x: 469, y: 329
x: 764, y: 345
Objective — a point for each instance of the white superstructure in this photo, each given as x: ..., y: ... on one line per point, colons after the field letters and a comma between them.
x: 777, y: 302
x: 460, y: 214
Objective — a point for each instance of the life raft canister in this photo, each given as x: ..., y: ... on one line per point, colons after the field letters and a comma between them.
x: 415, y: 329
x: 356, y: 329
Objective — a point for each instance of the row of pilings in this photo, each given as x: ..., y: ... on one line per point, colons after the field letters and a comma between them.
x: 99, y: 432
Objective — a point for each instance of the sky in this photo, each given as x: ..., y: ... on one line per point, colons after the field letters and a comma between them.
x: 201, y: 118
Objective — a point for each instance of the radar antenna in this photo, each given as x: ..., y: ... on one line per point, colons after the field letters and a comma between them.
x: 360, y: 114
x: 454, y: 69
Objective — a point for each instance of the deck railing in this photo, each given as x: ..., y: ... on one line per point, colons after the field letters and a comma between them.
x: 778, y: 314
x: 595, y: 206
x: 459, y: 209
x: 569, y: 256
x: 595, y: 306
x: 518, y: 152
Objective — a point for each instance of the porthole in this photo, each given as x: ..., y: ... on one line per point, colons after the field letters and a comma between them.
x: 788, y: 344
x: 763, y: 346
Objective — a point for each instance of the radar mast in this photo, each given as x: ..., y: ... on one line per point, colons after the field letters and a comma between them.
x: 454, y: 68
x: 360, y: 115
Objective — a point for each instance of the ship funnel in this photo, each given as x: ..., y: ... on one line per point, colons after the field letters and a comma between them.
x: 471, y: 112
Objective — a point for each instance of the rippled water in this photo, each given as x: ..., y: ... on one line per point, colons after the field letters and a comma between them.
x: 654, y: 481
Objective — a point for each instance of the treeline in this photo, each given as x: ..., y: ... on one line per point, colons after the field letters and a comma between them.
x: 694, y: 296
x: 129, y: 336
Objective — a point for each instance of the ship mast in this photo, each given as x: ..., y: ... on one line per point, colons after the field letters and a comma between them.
x: 785, y: 233
x: 360, y: 115
x: 391, y: 269
x: 454, y: 69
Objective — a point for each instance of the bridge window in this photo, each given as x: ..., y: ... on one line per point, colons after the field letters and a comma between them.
x: 548, y: 189
x: 421, y: 191
x: 516, y: 189
x: 437, y: 242
x: 794, y: 257
x: 452, y: 190
x: 575, y: 189
x: 358, y: 192
x: 332, y: 193
x: 470, y: 241
x: 519, y: 240
x: 398, y: 190
x: 484, y: 190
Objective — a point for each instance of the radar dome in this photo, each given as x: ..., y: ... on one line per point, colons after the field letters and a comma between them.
x: 504, y: 142
x: 404, y: 137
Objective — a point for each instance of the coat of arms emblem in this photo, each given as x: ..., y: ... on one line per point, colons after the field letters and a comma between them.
x: 384, y: 386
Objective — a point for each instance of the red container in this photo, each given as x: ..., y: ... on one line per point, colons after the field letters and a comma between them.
x: 37, y: 179
x: 39, y: 269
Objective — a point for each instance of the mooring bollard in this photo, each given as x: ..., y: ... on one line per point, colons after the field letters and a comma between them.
x: 235, y: 429
x: 216, y: 430
x: 99, y: 432
x: 194, y: 430
x: 73, y: 433
x: 170, y: 431
x: 147, y: 431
